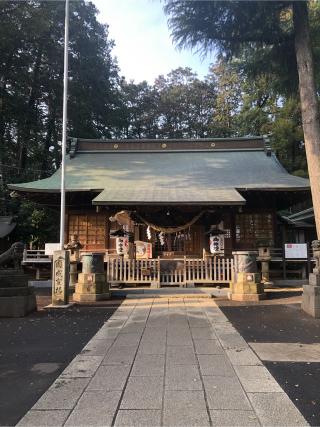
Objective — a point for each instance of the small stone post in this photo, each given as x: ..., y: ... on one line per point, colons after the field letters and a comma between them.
x: 265, y: 257
x: 246, y: 285
x: 60, y: 278
x: 92, y: 284
x: 311, y: 292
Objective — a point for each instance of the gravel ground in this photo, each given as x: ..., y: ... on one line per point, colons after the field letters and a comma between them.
x: 284, y: 323
x: 35, y: 349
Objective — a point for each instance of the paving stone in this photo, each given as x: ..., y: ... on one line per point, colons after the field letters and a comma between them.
x: 137, y: 418
x: 205, y: 333
x: 186, y: 418
x: 95, y: 408
x: 232, y: 340
x: 176, y: 339
x: 115, y: 323
x: 276, y: 409
x: 198, y: 323
x: 120, y: 355
x: 97, y: 347
x: 152, y: 348
x: 44, y: 418
x: 63, y: 394
x: 187, y: 400
x: 212, y: 364
x: 146, y: 365
x: 207, y: 346
x: 178, y: 330
x: 227, y: 418
x: 106, y: 333
x: 243, y: 357
x: 132, y: 328
x: 82, y: 366
x: 143, y: 393
x: 257, y: 379
x: 156, y: 337
x: 180, y: 355
x: 124, y: 340
x: 183, y: 377
x: 109, y: 378
x: 225, y: 393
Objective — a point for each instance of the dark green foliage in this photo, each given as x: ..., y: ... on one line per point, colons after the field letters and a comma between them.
x: 31, y: 80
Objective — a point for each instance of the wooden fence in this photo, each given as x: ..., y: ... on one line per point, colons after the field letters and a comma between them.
x: 168, y: 272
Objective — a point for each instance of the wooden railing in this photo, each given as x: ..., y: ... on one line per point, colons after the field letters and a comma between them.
x: 120, y: 270
x: 178, y: 272
x: 209, y: 270
x: 35, y: 256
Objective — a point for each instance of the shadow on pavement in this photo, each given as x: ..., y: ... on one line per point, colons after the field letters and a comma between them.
x: 35, y: 349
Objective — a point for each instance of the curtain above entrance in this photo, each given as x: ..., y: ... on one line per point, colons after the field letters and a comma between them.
x: 155, y: 194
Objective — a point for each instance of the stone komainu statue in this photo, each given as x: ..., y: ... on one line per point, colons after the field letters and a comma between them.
x: 16, y: 297
x: 13, y: 255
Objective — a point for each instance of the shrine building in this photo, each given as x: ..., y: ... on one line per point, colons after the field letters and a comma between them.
x: 159, y: 200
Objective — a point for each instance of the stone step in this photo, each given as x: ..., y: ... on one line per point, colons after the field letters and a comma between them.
x: 15, y: 291
x: 13, y: 280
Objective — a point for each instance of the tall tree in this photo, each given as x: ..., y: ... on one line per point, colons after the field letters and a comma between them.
x: 31, y: 78
x: 233, y: 25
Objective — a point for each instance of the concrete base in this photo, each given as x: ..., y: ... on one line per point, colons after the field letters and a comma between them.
x: 247, y: 297
x: 17, y: 306
x: 90, y: 297
x: 154, y: 285
x: 54, y: 306
x: 91, y: 287
x: 190, y: 285
x: 311, y: 300
x: 247, y: 288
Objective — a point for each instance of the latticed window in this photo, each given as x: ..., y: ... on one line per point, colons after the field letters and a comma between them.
x: 90, y: 229
x: 253, y: 228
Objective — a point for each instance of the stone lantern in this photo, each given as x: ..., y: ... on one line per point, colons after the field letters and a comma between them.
x: 246, y: 284
x: 264, y: 257
x: 311, y: 292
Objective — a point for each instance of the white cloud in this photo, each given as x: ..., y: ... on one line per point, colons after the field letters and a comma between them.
x: 143, y: 45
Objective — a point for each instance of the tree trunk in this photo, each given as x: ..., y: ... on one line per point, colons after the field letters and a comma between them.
x: 309, y: 102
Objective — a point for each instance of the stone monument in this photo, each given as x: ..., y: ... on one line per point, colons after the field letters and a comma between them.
x: 311, y: 292
x: 92, y: 282
x: 16, y: 298
x: 246, y: 284
x: 60, y: 279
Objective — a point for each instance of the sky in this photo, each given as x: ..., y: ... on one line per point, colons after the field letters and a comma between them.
x: 143, y: 47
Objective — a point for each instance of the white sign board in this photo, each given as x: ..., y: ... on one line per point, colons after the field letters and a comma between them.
x: 295, y: 251
x: 49, y: 248
x: 143, y: 249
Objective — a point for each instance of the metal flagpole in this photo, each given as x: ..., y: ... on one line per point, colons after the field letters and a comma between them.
x: 64, y: 125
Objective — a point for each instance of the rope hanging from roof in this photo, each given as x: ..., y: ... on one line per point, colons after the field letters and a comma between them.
x: 169, y: 230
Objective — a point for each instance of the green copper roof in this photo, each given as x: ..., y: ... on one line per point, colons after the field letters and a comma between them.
x: 186, y: 176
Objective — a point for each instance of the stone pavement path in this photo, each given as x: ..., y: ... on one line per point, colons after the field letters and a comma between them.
x: 165, y: 361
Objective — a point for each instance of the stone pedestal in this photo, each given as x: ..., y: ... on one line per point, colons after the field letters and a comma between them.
x: 16, y: 298
x: 246, y: 285
x: 92, y: 284
x: 311, y: 292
